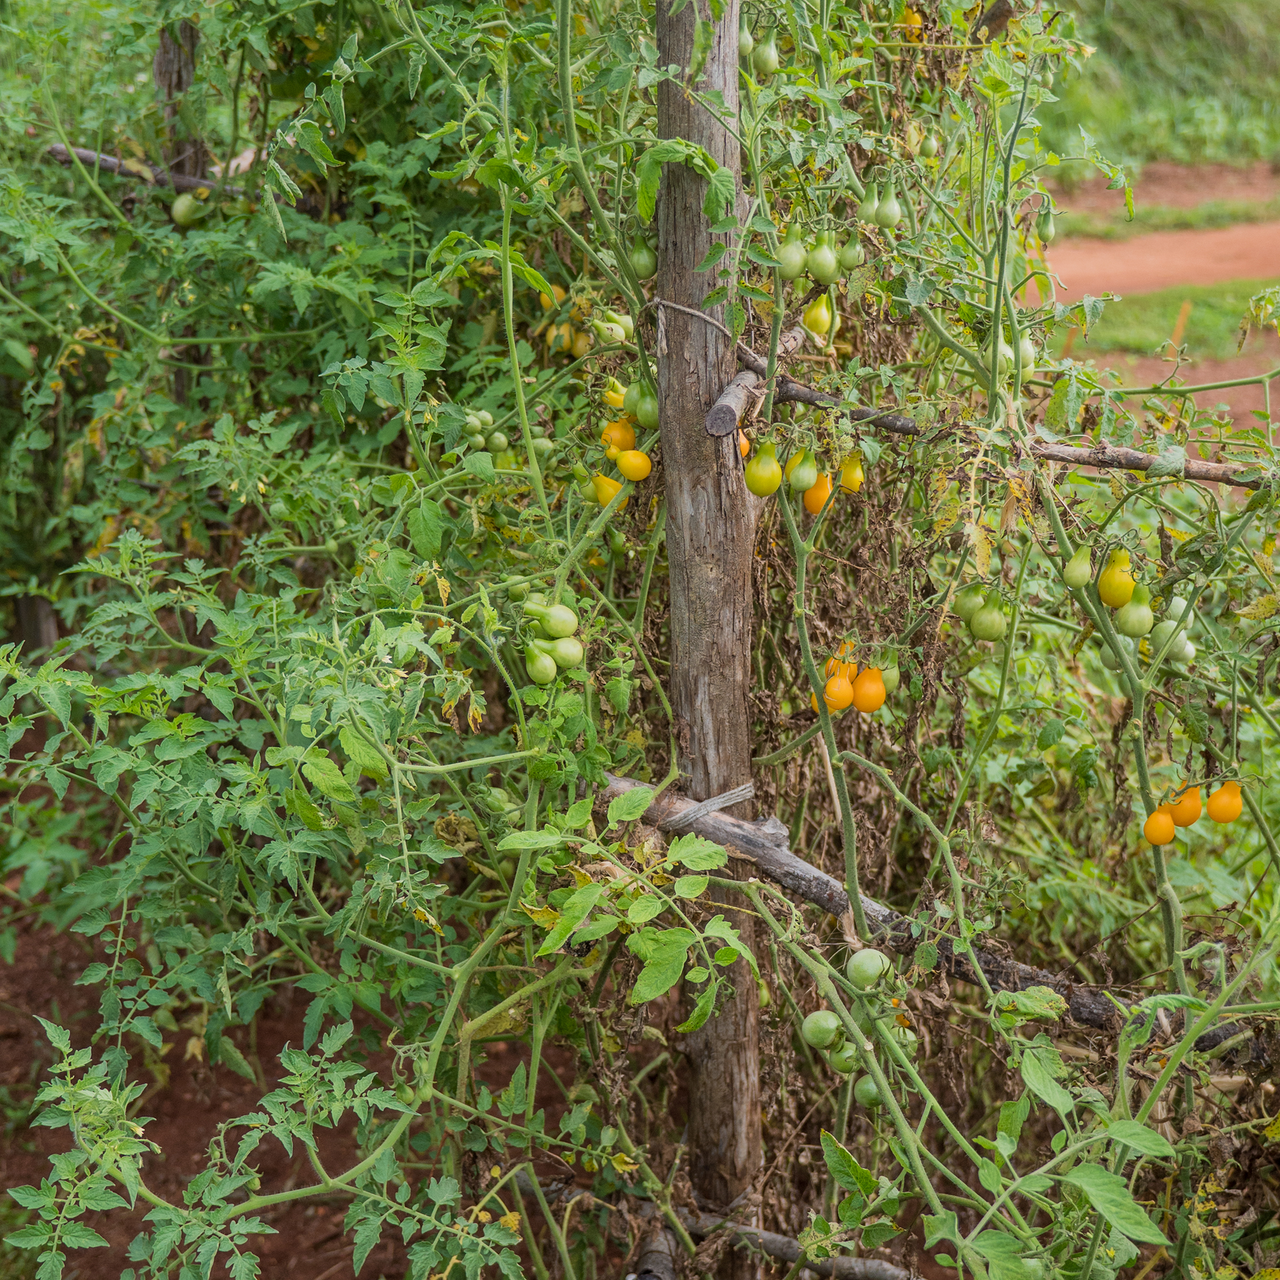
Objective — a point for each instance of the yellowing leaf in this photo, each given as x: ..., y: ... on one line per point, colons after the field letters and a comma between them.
x: 1262, y: 607
x: 544, y: 916
x: 980, y: 540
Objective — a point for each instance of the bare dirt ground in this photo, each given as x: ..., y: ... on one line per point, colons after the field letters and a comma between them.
x: 1163, y: 259
x: 1166, y: 259
x: 1261, y: 356
x: 1176, y: 186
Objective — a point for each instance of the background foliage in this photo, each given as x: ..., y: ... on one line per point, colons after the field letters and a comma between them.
x: 288, y: 734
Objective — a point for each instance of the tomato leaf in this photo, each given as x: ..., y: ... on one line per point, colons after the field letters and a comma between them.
x: 1110, y: 1196
x: 575, y: 909
x: 847, y: 1172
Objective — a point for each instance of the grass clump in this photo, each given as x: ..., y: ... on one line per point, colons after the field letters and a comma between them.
x: 1141, y: 325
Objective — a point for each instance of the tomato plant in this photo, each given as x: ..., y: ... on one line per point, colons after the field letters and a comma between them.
x: 348, y: 667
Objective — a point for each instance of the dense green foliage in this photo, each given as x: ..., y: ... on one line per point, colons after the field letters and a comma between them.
x: 289, y: 475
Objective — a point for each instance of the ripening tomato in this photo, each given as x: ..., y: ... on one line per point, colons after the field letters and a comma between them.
x: 815, y: 497
x: 763, y: 473
x: 633, y: 464
x: 614, y: 393
x: 1187, y: 808
x: 547, y: 302
x: 851, y: 475
x: 1226, y: 804
x: 1115, y: 582
x: 868, y: 690
x: 837, y: 693
x: 606, y: 490
x: 617, y: 437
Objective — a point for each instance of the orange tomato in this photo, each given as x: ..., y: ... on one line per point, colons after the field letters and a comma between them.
x: 816, y: 498
x: 868, y: 690
x: 835, y: 667
x: 1187, y: 808
x: 618, y: 436
x: 838, y: 692
x: 1159, y: 828
x: 744, y: 445
x: 1226, y: 804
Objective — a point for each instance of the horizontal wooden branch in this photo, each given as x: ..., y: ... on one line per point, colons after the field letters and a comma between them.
x: 659, y: 1254
x: 1105, y: 457
x: 764, y: 842
x: 138, y: 169
x: 785, y: 1249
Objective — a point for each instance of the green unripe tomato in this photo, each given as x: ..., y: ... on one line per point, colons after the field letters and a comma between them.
x: 843, y: 1059
x: 186, y: 210
x: 567, y: 652
x: 558, y: 620
x: 891, y: 677
x: 746, y: 42
x: 867, y: 1092
x: 1045, y: 228
x: 929, y: 147
x: 644, y: 262
x: 476, y: 440
x: 989, y: 623
x: 765, y: 58
x: 540, y: 666
x: 647, y: 410
x: 331, y: 546
x: 968, y: 601
x: 405, y: 1092
x: 867, y: 967
x: 821, y: 1029
x: 497, y: 442
x: 905, y: 1038
x: 1078, y: 570
x: 254, y: 1183
x: 543, y: 447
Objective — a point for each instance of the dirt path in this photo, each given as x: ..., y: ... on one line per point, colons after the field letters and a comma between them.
x: 1247, y: 251
x: 1175, y: 186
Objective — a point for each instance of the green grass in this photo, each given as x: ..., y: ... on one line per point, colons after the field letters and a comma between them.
x: 1139, y: 325
x: 1158, y: 217
x: 1186, y: 80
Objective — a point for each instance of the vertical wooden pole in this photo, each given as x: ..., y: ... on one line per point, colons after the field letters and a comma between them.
x: 711, y: 521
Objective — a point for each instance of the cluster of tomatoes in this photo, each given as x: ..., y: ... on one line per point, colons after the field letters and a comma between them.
x: 552, y: 645
x: 846, y: 686
x: 639, y: 406
x: 764, y: 475
x: 822, y: 1029
x: 1225, y: 805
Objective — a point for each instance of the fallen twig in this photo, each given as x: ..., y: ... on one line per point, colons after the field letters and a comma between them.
x: 147, y: 173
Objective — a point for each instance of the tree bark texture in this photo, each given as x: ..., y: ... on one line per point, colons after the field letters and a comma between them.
x: 174, y: 71
x: 711, y: 521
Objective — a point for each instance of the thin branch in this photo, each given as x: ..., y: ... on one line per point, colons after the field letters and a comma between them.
x: 143, y: 172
